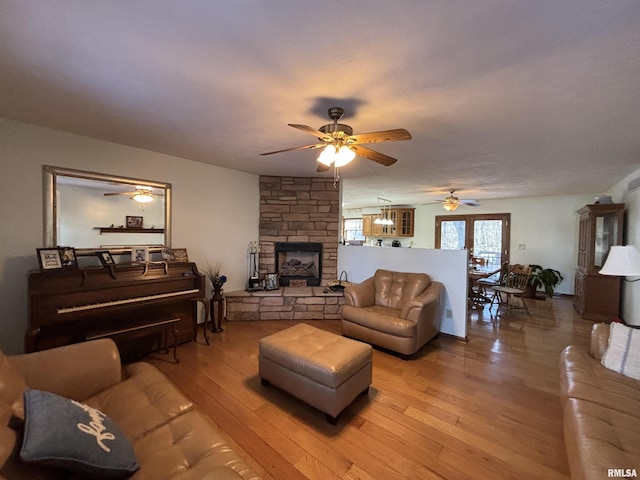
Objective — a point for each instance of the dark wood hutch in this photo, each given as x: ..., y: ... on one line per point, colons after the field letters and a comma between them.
x: 597, y: 297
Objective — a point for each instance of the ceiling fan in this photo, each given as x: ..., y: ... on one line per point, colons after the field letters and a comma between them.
x: 341, y: 146
x: 141, y: 194
x: 452, y: 202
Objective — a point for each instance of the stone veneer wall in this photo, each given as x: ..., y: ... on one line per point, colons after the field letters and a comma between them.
x: 299, y: 209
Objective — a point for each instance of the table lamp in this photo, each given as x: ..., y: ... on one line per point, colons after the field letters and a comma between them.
x: 623, y: 261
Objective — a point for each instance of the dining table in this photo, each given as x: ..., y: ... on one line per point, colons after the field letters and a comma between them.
x: 476, y: 272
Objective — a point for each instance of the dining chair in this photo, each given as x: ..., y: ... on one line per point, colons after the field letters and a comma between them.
x: 493, y: 280
x: 478, y: 261
x: 514, y: 287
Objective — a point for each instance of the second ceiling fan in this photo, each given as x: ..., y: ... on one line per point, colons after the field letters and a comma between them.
x: 452, y: 202
x: 341, y: 146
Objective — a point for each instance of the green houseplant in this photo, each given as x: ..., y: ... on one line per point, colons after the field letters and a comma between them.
x: 545, y: 278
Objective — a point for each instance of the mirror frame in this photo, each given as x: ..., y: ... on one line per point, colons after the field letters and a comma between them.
x: 50, y: 175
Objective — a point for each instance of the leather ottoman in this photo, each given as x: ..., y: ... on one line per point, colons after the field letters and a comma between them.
x: 323, y: 369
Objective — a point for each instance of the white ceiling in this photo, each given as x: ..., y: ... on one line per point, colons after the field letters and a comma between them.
x: 504, y: 98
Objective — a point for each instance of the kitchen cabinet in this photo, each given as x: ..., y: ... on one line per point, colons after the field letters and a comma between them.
x: 403, y: 223
x: 370, y: 229
x: 597, y: 297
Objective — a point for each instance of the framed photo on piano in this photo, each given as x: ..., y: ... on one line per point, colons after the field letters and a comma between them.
x: 180, y: 255
x: 105, y: 258
x: 49, y: 259
x: 140, y: 254
x: 68, y: 257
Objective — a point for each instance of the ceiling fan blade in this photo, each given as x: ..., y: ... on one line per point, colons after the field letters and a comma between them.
x: 470, y: 203
x: 118, y: 193
x: 378, y: 157
x: 376, y: 137
x: 303, y: 147
x: 322, y: 167
x: 312, y: 131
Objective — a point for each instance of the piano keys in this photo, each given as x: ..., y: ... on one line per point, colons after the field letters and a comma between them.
x: 66, y: 306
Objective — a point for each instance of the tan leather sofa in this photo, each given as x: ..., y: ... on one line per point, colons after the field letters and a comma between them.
x: 394, y: 310
x: 170, y: 438
x: 601, y: 413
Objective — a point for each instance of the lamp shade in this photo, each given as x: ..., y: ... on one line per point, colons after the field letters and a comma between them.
x: 623, y: 261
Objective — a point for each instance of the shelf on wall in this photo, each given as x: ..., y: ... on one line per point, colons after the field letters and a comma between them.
x: 129, y: 230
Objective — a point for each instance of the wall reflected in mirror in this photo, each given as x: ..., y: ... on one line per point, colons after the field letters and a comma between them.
x: 91, y: 211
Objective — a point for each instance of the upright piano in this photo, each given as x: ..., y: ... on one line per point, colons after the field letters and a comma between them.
x: 69, y: 306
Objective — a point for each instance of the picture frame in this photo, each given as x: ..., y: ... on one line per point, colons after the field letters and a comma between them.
x: 180, y: 255
x: 49, y: 259
x: 140, y: 255
x: 167, y: 255
x: 105, y: 258
x: 68, y: 257
x: 133, y: 221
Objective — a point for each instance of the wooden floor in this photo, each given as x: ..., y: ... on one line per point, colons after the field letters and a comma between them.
x: 487, y: 409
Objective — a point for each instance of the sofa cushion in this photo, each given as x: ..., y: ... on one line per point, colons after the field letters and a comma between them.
x: 381, y: 319
x: 142, y: 402
x: 599, y: 439
x: 190, y: 448
x: 394, y: 289
x: 623, y: 351
x: 64, y: 433
x: 584, y: 378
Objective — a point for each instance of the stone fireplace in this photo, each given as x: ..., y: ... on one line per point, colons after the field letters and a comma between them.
x: 298, y: 210
x: 299, y: 261
x: 299, y: 225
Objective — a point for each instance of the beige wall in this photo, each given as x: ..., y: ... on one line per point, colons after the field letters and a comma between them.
x: 215, y: 210
x: 630, y: 290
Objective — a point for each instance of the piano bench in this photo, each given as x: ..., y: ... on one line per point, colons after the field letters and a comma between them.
x: 164, y: 325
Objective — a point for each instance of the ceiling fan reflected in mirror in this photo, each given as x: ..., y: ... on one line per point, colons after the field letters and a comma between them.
x: 340, y: 145
x: 141, y: 194
x: 452, y: 202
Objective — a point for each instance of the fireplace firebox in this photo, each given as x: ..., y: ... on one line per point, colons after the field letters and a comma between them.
x: 299, y: 261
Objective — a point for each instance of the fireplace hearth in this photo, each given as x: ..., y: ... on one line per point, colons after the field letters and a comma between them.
x: 299, y: 261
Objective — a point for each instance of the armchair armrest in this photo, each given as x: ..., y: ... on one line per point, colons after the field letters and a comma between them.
x: 429, y: 298
x: 360, y: 294
x: 75, y: 371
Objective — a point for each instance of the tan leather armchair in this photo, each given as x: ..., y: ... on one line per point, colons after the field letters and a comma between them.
x: 394, y: 310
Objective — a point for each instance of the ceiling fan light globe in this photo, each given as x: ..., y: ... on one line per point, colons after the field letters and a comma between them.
x: 142, y: 198
x: 344, y: 156
x: 328, y: 155
x: 449, y: 206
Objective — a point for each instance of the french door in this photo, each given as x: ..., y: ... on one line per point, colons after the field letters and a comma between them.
x: 486, y: 236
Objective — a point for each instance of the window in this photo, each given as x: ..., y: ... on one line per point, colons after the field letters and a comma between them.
x: 486, y: 236
x: 352, y: 229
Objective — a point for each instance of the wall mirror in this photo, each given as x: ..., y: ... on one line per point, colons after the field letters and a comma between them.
x: 91, y: 211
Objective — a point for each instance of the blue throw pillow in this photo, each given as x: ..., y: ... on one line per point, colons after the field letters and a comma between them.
x: 64, y: 433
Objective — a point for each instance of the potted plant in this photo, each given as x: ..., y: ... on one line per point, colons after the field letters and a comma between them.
x: 545, y: 278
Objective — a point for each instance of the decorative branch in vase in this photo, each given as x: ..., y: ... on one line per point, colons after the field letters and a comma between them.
x: 213, y: 274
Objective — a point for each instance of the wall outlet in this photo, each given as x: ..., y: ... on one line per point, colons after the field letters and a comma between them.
x: 522, y: 246
x: 448, y: 313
